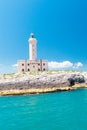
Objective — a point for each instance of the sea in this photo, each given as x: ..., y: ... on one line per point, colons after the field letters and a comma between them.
x: 50, y: 111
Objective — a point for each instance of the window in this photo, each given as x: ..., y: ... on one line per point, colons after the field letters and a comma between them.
x: 28, y: 64
x: 28, y: 69
x: 38, y: 69
x: 33, y: 66
x: 38, y: 63
x: 22, y: 64
x: 43, y: 63
x: 44, y: 69
x: 22, y: 70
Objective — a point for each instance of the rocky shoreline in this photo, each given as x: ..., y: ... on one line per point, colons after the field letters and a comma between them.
x: 42, y: 82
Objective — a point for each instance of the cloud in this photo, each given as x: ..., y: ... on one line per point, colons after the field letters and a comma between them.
x: 58, y: 65
x: 64, y: 65
x: 15, y: 65
x: 77, y: 65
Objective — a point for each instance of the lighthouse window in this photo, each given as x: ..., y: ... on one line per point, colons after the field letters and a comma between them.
x: 22, y: 70
x: 44, y: 69
x: 33, y: 66
x: 22, y: 64
x: 43, y: 63
x: 38, y: 69
x: 38, y: 63
x: 28, y: 64
x: 28, y: 69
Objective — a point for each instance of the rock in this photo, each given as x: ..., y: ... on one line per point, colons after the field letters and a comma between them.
x: 76, y: 78
x: 57, y: 81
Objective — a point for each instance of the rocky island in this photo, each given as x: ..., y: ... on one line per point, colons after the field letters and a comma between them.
x: 41, y: 82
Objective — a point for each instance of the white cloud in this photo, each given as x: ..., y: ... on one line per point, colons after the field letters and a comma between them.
x: 15, y: 65
x: 77, y: 65
x: 63, y: 65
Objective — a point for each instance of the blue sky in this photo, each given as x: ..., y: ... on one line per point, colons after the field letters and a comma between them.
x: 60, y: 27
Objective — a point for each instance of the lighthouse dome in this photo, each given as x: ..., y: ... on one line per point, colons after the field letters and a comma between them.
x: 32, y: 39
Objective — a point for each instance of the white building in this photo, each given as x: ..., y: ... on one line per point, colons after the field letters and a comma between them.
x: 33, y: 64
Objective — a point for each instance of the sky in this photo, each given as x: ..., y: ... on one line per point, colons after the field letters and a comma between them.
x: 60, y: 26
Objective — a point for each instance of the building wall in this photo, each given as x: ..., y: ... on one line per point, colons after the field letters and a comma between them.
x: 22, y: 66
x: 32, y: 48
x: 32, y: 65
x: 32, y: 52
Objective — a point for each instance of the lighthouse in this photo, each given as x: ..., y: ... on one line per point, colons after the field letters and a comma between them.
x: 32, y: 47
x: 32, y: 64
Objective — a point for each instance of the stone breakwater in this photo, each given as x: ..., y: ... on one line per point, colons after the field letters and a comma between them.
x: 43, y: 82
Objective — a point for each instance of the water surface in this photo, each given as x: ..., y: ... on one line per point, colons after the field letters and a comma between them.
x: 53, y: 111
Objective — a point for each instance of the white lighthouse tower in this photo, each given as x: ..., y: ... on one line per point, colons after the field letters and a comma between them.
x: 32, y: 64
x: 32, y: 47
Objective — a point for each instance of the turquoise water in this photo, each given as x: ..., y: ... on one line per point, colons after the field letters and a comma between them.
x: 53, y: 111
